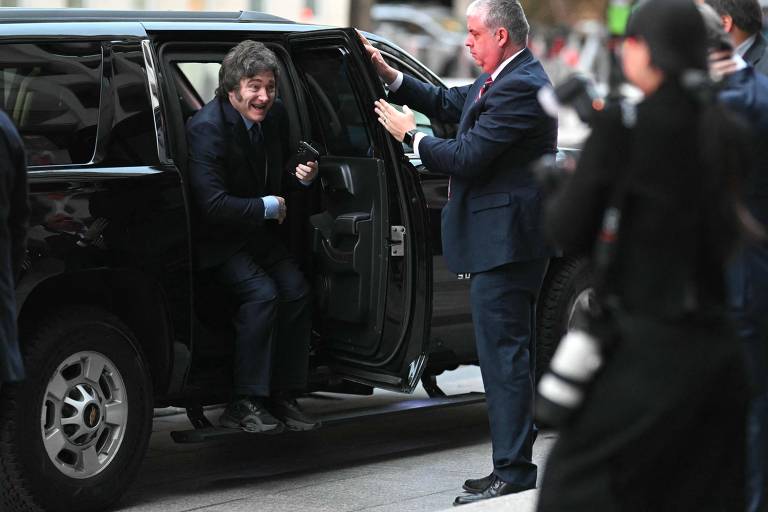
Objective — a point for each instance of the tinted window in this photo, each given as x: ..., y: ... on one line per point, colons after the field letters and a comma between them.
x: 51, y: 91
x: 338, y: 116
x: 132, y: 140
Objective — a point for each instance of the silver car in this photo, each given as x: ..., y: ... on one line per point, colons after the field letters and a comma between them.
x: 430, y: 33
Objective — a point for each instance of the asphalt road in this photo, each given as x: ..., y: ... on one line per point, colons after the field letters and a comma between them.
x: 413, y: 461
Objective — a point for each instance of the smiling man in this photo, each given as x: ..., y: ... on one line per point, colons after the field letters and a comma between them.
x: 490, y: 225
x: 237, y: 154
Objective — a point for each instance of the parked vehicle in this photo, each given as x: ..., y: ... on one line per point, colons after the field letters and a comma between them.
x: 428, y: 32
x: 113, y: 320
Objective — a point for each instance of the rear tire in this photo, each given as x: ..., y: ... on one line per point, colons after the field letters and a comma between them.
x: 73, y: 435
x: 568, y: 285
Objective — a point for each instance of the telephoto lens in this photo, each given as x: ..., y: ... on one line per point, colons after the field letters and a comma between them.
x: 561, y: 389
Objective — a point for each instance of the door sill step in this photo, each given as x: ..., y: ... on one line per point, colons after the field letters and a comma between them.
x: 200, y: 435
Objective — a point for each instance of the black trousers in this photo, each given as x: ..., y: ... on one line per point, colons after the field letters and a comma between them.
x: 662, y: 428
x: 504, y: 317
x: 273, y: 323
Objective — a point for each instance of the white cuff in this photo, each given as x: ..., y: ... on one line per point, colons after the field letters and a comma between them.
x: 416, y: 139
x: 396, y: 83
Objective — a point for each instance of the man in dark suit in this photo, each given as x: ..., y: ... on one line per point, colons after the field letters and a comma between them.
x: 745, y: 92
x: 14, y: 219
x: 743, y: 20
x: 491, y: 223
x: 237, y: 154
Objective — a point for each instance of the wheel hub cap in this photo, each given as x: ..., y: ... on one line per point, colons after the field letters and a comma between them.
x: 84, y: 414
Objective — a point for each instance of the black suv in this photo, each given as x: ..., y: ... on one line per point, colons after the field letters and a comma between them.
x: 113, y: 320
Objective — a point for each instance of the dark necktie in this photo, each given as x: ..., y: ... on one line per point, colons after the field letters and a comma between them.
x: 257, y: 150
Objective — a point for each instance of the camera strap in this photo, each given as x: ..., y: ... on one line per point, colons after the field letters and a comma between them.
x: 604, y: 253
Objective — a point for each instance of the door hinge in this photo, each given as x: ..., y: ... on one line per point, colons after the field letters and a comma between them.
x: 397, y: 240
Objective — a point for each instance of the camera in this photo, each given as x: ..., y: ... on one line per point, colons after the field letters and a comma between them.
x: 562, y: 388
x: 578, y: 92
x: 577, y: 360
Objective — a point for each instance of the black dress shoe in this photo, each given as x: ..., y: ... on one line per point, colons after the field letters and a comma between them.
x: 496, y: 488
x: 477, y: 485
x: 250, y: 415
x: 289, y: 411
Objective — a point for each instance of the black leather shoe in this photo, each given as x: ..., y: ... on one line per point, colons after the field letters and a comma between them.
x: 250, y: 415
x: 496, y: 488
x: 477, y: 485
x: 289, y: 411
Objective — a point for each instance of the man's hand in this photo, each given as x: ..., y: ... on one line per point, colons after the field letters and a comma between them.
x: 384, y: 70
x: 306, y: 172
x: 394, y: 121
x: 721, y: 64
x: 282, y: 210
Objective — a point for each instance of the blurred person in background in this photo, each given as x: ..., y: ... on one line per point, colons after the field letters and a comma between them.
x: 743, y: 20
x: 662, y: 425
x: 491, y: 223
x: 745, y: 92
x: 14, y: 219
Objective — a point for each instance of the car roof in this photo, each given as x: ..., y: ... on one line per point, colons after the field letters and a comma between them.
x: 25, y: 15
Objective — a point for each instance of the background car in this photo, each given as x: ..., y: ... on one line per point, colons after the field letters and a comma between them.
x: 428, y: 32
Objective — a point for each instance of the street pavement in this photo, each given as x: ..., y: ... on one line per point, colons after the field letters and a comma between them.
x: 409, y: 462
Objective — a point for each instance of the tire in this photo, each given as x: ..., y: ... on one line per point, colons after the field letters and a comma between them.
x: 567, y: 286
x: 73, y: 435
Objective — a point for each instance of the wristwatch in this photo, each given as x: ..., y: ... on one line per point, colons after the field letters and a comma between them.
x: 409, y: 136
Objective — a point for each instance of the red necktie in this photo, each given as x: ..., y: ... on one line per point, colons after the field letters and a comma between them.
x: 485, y: 86
x: 483, y: 89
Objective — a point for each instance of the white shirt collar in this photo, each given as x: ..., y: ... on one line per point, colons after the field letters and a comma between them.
x: 499, y: 69
x: 746, y: 45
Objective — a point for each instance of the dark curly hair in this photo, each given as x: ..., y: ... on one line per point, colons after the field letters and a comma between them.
x: 247, y: 59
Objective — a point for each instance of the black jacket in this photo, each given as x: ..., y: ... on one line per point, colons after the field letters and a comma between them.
x: 757, y: 55
x: 677, y: 229
x: 14, y: 218
x: 227, y: 184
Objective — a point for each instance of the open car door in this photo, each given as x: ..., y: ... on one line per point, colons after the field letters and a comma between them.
x: 370, y: 238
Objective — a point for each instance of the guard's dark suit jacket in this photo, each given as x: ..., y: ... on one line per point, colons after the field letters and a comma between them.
x: 14, y: 218
x: 493, y: 215
x: 228, y: 180
x: 756, y: 55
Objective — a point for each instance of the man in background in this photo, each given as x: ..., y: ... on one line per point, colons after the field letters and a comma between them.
x: 745, y: 92
x: 743, y: 20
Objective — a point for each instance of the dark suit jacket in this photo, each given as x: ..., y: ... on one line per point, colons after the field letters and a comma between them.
x: 14, y: 218
x: 227, y: 183
x: 746, y: 93
x: 493, y: 215
x: 756, y: 55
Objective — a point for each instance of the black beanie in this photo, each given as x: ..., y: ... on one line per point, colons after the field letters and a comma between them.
x: 675, y: 33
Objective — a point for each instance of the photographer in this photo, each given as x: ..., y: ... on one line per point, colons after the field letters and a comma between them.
x: 662, y: 424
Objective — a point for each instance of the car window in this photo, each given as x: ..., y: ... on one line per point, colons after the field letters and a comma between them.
x: 423, y: 123
x: 204, y: 77
x: 133, y: 139
x: 337, y: 111
x: 51, y: 91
